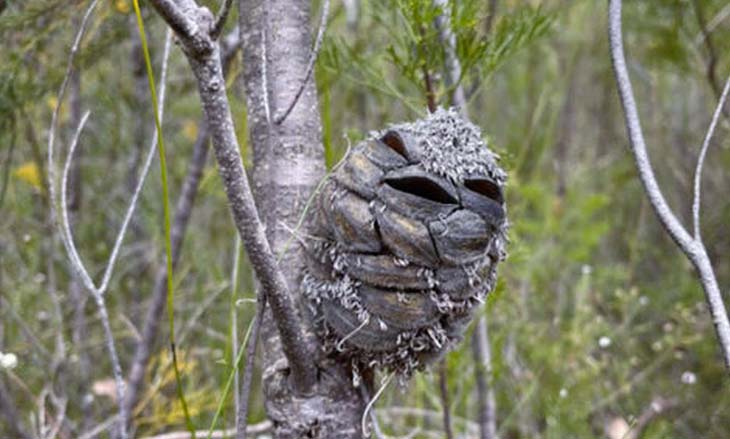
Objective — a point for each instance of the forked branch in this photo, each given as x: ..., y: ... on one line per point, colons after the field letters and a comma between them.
x: 692, y: 246
x: 203, y: 56
x: 59, y: 214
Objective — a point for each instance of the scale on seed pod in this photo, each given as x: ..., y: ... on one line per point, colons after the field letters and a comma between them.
x: 410, y: 228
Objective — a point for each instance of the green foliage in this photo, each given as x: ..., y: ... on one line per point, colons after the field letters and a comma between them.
x: 595, y: 314
x: 397, y: 62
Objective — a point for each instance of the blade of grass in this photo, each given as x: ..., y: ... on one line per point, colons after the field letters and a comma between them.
x: 233, y: 330
x: 227, y: 388
x: 166, y: 209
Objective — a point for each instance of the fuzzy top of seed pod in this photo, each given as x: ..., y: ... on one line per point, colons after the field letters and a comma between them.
x: 451, y: 146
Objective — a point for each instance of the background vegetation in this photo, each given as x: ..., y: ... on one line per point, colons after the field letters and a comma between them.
x: 597, y: 315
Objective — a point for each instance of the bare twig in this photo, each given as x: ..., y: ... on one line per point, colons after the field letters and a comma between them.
x: 310, y: 66
x: 64, y: 227
x: 68, y: 241
x: 79, y: 332
x: 252, y: 343
x: 692, y: 247
x: 701, y: 161
x: 220, y: 20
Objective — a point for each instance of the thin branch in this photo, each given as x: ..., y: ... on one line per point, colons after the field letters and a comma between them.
x: 220, y: 20
x: 693, y: 248
x: 64, y: 225
x: 636, y: 135
x: 701, y: 161
x: 310, y: 66
x: 244, y: 396
x: 71, y: 247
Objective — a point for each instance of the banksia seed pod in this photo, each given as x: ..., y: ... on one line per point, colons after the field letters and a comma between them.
x: 409, y: 231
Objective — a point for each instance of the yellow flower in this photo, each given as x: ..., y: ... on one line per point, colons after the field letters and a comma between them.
x: 29, y: 173
x: 122, y: 6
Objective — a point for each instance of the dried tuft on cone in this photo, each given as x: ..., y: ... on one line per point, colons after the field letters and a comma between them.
x: 409, y: 231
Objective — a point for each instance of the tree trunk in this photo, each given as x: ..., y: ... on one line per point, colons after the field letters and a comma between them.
x: 288, y: 163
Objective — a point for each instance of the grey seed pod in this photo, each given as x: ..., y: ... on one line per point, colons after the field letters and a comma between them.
x: 409, y: 232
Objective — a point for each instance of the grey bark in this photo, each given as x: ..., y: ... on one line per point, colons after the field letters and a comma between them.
x: 288, y: 163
